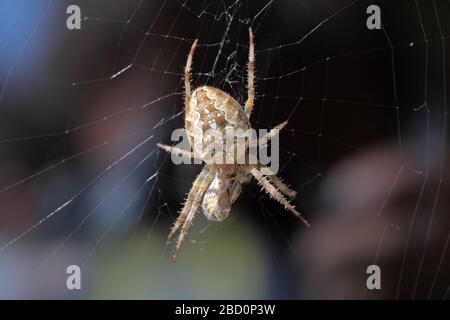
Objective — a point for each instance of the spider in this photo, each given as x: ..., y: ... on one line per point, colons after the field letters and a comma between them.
x: 218, y: 186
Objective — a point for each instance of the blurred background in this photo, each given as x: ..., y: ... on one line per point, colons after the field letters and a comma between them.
x: 81, y: 181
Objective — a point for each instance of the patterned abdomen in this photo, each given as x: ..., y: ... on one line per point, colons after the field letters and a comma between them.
x: 210, y: 112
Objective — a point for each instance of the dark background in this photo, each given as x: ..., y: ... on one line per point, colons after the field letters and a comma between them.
x: 366, y: 149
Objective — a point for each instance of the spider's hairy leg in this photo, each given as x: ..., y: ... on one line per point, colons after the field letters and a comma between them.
x: 272, y: 177
x: 249, y: 104
x: 273, y: 192
x: 187, y: 224
x: 277, y: 182
x: 272, y: 133
x: 280, y: 185
x: 200, y: 184
x: 170, y: 149
x: 193, y: 201
x: 187, y: 73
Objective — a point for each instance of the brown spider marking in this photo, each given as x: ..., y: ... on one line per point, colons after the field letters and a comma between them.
x: 218, y: 186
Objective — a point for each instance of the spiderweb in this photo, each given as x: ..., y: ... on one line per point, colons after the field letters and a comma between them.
x: 81, y: 111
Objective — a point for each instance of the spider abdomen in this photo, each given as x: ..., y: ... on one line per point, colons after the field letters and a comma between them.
x: 210, y: 113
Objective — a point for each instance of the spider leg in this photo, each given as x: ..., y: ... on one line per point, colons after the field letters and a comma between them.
x: 200, y: 183
x: 273, y: 192
x: 191, y: 205
x: 249, y: 104
x: 187, y: 224
x: 272, y: 177
x: 272, y: 133
x: 187, y: 74
x: 170, y: 149
x: 280, y: 185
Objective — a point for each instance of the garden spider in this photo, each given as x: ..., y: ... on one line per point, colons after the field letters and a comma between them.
x: 218, y: 186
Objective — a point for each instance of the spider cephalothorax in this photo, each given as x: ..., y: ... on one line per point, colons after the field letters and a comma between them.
x: 209, y: 110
